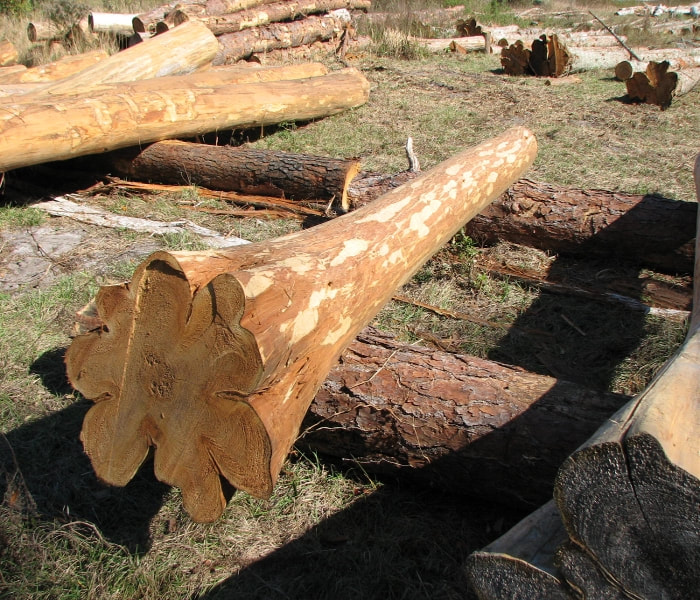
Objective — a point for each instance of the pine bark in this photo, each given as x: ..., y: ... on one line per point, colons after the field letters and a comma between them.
x: 628, y: 500
x: 244, y: 170
x: 452, y: 421
x: 243, y: 44
x: 59, y: 127
x: 214, y: 358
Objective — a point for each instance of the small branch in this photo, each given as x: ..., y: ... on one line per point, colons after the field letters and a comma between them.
x: 619, y: 40
x: 413, y: 163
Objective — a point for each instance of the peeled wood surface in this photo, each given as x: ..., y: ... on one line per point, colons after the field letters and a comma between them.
x: 180, y: 51
x: 53, y: 71
x: 457, y: 422
x: 114, y: 23
x: 8, y: 53
x: 245, y: 170
x: 230, y: 347
x: 243, y: 44
x: 274, y: 12
x: 223, y: 7
x: 59, y: 127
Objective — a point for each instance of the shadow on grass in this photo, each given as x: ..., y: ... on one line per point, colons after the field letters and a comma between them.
x: 45, y: 459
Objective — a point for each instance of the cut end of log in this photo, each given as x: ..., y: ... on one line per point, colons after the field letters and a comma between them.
x: 175, y: 370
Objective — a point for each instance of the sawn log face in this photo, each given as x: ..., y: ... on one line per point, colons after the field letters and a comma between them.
x: 304, y: 298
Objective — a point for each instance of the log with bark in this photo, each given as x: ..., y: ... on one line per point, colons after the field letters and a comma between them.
x: 453, y: 421
x: 628, y: 524
x: 225, y: 7
x: 214, y: 358
x: 275, y: 12
x: 659, y: 86
x: 245, y: 170
x: 243, y: 44
x: 59, y: 127
x: 146, y: 22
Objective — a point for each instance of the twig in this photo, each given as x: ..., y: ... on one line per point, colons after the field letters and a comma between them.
x: 413, y: 163
x: 611, y: 32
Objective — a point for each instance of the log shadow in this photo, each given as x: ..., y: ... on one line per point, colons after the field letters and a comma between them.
x: 43, y: 467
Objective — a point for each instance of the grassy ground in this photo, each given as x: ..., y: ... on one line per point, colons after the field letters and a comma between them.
x: 326, y: 532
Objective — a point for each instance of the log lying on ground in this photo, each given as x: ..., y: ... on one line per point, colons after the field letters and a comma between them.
x: 628, y: 501
x: 214, y: 358
x: 146, y: 22
x: 453, y: 421
x: 8, y: 53
x: 245, y: 170
x: 53, y: 71
x: 625, y: 69
x: 41, y: 31
x: 576, y: 222
x: 476, y: 43
x: 225, y: 7
x: 275, y: 12
x: 111, y: 23
x: 60, y: 127
x: 659, y: 86
x: 181, y: 50
x: 245, y: 43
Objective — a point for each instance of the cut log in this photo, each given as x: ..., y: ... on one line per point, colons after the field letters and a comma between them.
x: 659, y: 86
x: 575, y: 222
x: 59, y: 127
x: 42, y: 31
x: 214, y: 358
x: 453, y: 421
x: 146, y: 22
x: 245, y: 43
x: 8, y: 53
x: 111, y: 23
x: 225, y: 7
x: 477, y: 43
x: 245, y: 170
x: 182, y: 50
x: 53, y: 71
x: 628, y: 500
x: 274, y: 12
x: 625, y: 69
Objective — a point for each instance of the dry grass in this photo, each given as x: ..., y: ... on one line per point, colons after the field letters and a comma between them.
x: 329, y: 532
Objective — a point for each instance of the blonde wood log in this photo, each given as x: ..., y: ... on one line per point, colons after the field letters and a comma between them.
x: 146, y: 22
x: 114, y: 23
x: 8, y: 53
x: 180, y: 51
x: 274, y: 12
x: 474, y: 43
x: 64, y: 126
x: 53, y: 71
x: 214, y: 77
x: 242, y: 44
x: 214, y: 357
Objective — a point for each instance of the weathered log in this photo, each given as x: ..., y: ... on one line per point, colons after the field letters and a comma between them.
x: 274, y: 12
x: 214, y: 358
x: 456, y: 422
x: 53, y: 71
x: 41, y: 31
x: 8, y: 53
x: 245, y: 170
x: 625, y: 69
x: 476, y: 43
x: 112, y: 23
x: 659, y: 86
x: 245, y: 43
x: 180, y: 51
x: 628, y: 500
x: 225, y: 7
x: 59, y: 127
x: 146, y: 22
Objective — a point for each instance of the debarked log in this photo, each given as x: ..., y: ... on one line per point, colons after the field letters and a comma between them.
x: 53, y: 71
x: 243, y: 44
x: 451, y: 421
x: 629, y: 525
x: 213, y: 358
x: 65, y: 126
x: 245, y: 170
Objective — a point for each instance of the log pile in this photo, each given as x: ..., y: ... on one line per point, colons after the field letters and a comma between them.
x: 162, y: 89
x: 624, y: 522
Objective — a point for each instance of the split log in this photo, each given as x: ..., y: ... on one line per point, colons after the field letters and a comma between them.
x: 628, y: 501
x: 214, y: 358
x: 8, y: 53
x: 659, y: 86
x: 111, y: 23
x: 53, y: 71
x: 455, y: 422
x: 245, y: 170
x: 245, y: 43
x: 59, y: 127
x: 275, y: 12
x: 182, y: 50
